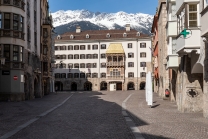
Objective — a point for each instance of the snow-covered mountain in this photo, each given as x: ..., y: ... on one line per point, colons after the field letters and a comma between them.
x: 67, y: 20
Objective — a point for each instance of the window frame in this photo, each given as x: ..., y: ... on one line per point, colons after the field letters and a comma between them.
x: 130, y: 74
x: 130, y: 64
x: 130, y: 45
x: 131, y: 55
x: 103, y: 46
x: 143, y: 45
x: 143, y: 55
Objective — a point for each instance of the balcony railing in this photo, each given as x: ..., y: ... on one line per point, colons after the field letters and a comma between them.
x: 115, y: 77
x: 47, y: 22
x: 115, y: 63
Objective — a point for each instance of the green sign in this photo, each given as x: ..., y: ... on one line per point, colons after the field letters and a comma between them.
x: 184, y: 33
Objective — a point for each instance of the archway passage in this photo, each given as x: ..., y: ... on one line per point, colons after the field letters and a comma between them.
x: 119, y: 86
x: 142, y: 85
x: 88, y: 86
x: 130, y: 86
x: 74, y: 86
x: 58, y: 86
x: 103, y: 85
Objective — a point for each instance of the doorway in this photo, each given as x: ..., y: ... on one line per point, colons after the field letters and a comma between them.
x: 74, y: 86
x: 88, y: 86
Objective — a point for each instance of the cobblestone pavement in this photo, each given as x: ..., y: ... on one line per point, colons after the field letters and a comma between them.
x: 97, y: 115
x: 164, y: 121
x: 86, y: 115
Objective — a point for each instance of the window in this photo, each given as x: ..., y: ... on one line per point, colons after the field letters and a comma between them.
x: 28, y: 9
x: 21, y: 54
x: 57, y: 75
x: 70, y: 47
x: 35, y: 16
x: 124, y: 35
x: 82, y: 56
x: 15, y: 21
x: 142, y: 45
x: 87, y: 36
x: 107, y: 35
x: 95, y: 56
x: 7, y: 52
x: 45, y: 49
x: 70, y: 56
x: 94, y: 75
x: 94, y: 65
x: 62, y: 47
x: 131, y: 64
x: 88, y: 75
x: 82, y: 47
x: 142, y: 64
x: 56, y: 47
x: 94, y: 47
x: 129, y: 45
x: 63, y: 65
x: 76, y: 47
x: 70, y: 75
x: 130, y: 74
x: 88, y: 56
x: 82, y: 75
x: 103, y: 46
x: 102, y: 55
x: 143, y: 74
x: 138, y: 34
x: 76, y: 56
x: 70, y: 65
x: 192, y: 15
x: 115, y: 72
x: 63, y: 56
x: 15, y: 53
x: 76, y: 65
x: 82, y: 65
x: 142, y: 54
x: 76, y: 75
x: 88, y: 47
x: 103, y: 75
x: 63, y: 75
x: 21, y: 24
x: 6, y: 20
x: 130, y: 55
x: 71, y: 37
x: 28, y: 33
x: 35, y: 39
x: 88, y: 65
x: 103, y: 65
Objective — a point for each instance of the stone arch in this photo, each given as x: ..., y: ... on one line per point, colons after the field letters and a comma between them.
x: 142, y: 85
x: 36, y: 86
x: 103, y: 85
x: 73, y: 86
x: 58, y: 86
x: 130, y: 86
x: 88, y: 86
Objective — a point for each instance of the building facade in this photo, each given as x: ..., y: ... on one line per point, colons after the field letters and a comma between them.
x: 20, y: 45
x: 203, y: 58
x: 102, y: 60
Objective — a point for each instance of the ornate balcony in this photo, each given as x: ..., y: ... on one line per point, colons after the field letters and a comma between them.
x: 115, y: 63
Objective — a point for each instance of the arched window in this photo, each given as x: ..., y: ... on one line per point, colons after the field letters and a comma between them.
x: 124, y: 34
x: 76, y: 47
x: 76, y: 56
x: 143, y: 54
x: 107, y: 35
x: 88, y: 56
x: 94, y: 75
x: 87, y: 36
x: 71, y: 36
x: 76, y: 65
x: 103, y: 75
x: 70, y: 47
x: 70, y: 75
x: 82, y: 75
x: 70, y: 56
x: 138, y: 34
x: 95, y: 56
x: 63, y: 75
x: 82, y: 65
x: 82, y: 56
x: 76, y: 75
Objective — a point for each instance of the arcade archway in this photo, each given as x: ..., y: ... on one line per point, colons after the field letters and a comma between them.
x: 74, y: 86
x: 88, y: 86
x: 58, y: 86
x: 103, y: 85
x: 130, y: 86
x: 142, y: 85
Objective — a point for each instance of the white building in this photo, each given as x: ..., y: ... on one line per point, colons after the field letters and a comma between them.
x: 102, y: 60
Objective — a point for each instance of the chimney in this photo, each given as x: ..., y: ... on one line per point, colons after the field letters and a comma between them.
x: 128, y: 27
x: 78, y: 29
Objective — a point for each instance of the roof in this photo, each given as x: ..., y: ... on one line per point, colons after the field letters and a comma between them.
x: 102, y: 34
x: 115, y: 48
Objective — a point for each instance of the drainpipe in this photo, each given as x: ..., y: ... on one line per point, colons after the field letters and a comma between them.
x: 137, y: 61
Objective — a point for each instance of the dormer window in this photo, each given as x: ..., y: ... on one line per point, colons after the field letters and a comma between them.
x: 108, y: 35
x: 58, y: 37
x: 138, y: 34
x: 87, y: 36
x: 71, y: 36
x: 124, y: 34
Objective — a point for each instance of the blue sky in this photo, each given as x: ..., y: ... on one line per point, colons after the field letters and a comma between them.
x: 108, y: 6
